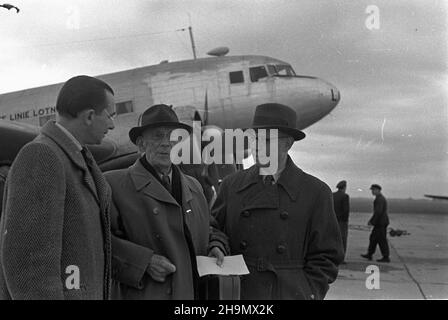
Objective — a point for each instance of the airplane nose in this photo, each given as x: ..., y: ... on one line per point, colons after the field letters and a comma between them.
x: 313, y: 99
x: 321, y: 104
x: 334, y: 95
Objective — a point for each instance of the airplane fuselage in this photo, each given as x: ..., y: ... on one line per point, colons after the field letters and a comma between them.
x: 220, y: 91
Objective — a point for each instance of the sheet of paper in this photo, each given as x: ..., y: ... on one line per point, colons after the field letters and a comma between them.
x: 232, y: 265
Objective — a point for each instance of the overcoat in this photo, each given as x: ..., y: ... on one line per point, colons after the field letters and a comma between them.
x: 380, y: 217
x: 287, y: 233
x: 341, y: 202
x: 147, y: 220
x: 55, y: 227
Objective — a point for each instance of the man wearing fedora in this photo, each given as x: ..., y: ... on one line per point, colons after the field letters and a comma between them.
x: 282, y: 222
x: 160, y: 218
x: 341, y: 202
x: 379, y: 221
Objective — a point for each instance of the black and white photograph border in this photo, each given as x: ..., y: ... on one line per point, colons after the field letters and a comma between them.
x: 367, y: 80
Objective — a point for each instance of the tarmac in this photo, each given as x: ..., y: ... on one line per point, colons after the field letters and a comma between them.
x: 419, y: 261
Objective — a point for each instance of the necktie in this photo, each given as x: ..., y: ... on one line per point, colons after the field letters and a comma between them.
x: 92, y: 169
x: 88, y: 158
x: 269, y: 180
x: 166, y: 182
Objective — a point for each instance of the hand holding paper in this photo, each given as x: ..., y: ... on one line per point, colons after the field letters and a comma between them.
x: 217, y: 253
x: 232, y: 265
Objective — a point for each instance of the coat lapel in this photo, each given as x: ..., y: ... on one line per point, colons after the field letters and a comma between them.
x: 52, y: 131
x: 291, y: 179
x: 145, y: 182
x: 256, y: 195
x: 187, y: 196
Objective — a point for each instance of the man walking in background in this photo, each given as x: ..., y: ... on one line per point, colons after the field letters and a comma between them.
x: 379, y: 221
x: 342, y: 209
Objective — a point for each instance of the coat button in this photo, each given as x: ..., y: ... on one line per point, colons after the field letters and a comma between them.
x: 158, y: 237
x: 281, y: 248
x: 284, y: 215
x: 246, y: 213
x: 155, y: 210
x: 243, y: 245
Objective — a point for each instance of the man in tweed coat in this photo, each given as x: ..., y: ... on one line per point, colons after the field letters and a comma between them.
x: 55, y: 228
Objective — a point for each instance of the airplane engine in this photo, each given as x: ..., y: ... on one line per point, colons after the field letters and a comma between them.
x: 188, y: 114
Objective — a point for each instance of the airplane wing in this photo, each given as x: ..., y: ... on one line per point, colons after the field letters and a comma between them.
x: 436, y: 197
x: 14, y: 135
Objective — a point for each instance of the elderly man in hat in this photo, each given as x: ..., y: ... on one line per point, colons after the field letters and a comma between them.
x: 281, y: 221
x: 160, y: 218
x: 379, y: 221
x: 341, y: 203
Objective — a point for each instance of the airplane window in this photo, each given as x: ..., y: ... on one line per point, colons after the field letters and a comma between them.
x: 272, y: 69
x: 284, y: 70
x: 257, y: 73
x: 334, y: 97
x: 43, y: 119
x: 124, y: 107
x: 236, y: 77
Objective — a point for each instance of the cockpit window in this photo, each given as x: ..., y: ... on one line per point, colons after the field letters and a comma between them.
x: 257, y: 73
x: 272, y: 69
x: 281, y: 70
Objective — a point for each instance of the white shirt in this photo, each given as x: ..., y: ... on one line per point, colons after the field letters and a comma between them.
x: 276, y: 176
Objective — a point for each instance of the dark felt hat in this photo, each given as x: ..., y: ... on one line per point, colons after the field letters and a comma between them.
x: 375, y: 186
x: 277, y: 116
x: 159, y: 115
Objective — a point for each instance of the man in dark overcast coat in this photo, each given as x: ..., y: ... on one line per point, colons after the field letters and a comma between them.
x: 282, y: 222
x: 379, y: 221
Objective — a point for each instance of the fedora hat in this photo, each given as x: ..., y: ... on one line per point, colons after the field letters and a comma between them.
x: 277, y: 116
x: 159, y: 115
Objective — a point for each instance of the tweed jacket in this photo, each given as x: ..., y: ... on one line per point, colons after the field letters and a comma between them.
x: 55, y: 229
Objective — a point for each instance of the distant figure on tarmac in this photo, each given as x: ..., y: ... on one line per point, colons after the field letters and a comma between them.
x: 379, y: 221
x: 341, y: 202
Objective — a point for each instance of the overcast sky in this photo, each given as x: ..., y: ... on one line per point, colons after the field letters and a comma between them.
x: 390, y: 127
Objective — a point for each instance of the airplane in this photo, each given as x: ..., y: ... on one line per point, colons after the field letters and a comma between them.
x: 220, y: 91
x: 433, y: 197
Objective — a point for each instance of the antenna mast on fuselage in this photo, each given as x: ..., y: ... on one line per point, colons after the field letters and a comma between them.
x: 193, y: 47
x: 190, y: 31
